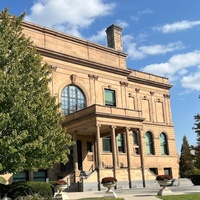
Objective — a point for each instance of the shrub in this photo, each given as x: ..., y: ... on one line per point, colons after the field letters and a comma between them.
x: 30, y: 197
x: 17, y: 189
x: 42, y: 188
x: 195, y: 179
x: 2, y: 180
x: 20, y: 189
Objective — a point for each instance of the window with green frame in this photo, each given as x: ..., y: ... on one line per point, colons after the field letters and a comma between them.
x: 107, y: 144
x: 149, y: 144
x: 163, y: 144
x: 120, y: 140
x: 135, y: 143
x: 21, y: 176
x: 40, y: 176
x: 110, y: 99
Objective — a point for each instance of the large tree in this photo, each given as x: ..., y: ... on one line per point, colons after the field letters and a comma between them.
x: 186, y: 159
x: 31, y: 134
x: 197, y: 147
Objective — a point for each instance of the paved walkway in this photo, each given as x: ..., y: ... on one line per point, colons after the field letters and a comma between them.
x: 133, y: 194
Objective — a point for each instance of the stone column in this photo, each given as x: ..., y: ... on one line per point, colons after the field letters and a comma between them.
x: 98, y: 138
x: 128, y: 156
x: 114, y: 152
x: 142, y: 156
x: 75, y: 155
x: 99, y: 163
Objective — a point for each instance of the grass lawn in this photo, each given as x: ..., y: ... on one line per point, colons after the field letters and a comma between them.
x: 181, y: 197
x: 101, y: 198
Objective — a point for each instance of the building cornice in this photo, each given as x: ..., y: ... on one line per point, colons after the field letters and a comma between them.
x: 71, y: 38
x: 149, y: 82
x: 87, y: 63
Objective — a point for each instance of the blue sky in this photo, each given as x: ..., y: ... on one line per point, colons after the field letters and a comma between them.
x: 160, y: 37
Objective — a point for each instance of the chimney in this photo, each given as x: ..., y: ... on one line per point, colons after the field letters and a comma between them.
x: 114, y: 37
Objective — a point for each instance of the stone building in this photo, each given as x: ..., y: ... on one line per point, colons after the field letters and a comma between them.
x: 120, y: 118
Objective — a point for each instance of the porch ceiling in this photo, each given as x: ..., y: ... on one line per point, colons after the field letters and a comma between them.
x: 84, y: 122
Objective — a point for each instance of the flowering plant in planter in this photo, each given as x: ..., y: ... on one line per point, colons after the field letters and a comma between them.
x: 163, y: 178
x: 60, y: 182
x: 109, y: 180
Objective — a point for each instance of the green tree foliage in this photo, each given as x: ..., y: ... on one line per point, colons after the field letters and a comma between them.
x: 197, y: 147
x: 186, y: 160
x: 31, y: 135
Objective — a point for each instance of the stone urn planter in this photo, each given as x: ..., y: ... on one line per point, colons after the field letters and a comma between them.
x: 60, y: 186
x: 109, y: 183
x: 164, y: 181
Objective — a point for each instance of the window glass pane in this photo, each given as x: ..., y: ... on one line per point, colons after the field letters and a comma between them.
x: 135, y: 138
x: 40, y: 176
x: 110, y: 97
x: 72, y: 99
x: 163, y: 144
x: 149, y: 143
x: 120, y: 138
x: 21, y: 176
x: 107, y: 144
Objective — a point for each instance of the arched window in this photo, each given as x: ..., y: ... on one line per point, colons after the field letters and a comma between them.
x: 163, y: 144
x: 149, y: 144
x: 73, y: 99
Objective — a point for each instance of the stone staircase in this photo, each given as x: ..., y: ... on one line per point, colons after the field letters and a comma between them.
x: 74, y: 187
x: 182, y: 182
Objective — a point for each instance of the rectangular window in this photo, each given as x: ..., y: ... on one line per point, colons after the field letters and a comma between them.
x: 135, y: 139
x: 40, y: 176
x: 136, y: 150
x: 21, y: 176
x: 110, y: 97
x: 120, y: 139
x: 107, y: 144
x: 168, y: 171
x: 154, y: 170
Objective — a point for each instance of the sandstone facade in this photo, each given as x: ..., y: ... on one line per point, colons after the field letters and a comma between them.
x: 120, y: 118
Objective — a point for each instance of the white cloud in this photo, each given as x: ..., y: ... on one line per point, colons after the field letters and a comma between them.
x: 192, y: 81
x: 123, y: 24
x: 100, y: 37
x: 138, y: 52
x: 146, y: 11
x: 140, y: 13
x: 67, y: 15
x: 177, y: 26
x: 177, y: 68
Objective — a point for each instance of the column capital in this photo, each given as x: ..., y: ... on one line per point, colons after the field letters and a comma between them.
x: 137, y: 90
x: 98, y: 125
x: 113, y: 127
x: 128, y: 128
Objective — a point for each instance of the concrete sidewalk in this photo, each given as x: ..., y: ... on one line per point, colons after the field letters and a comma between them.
x: 133, y: 194
x: 129, y: 196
